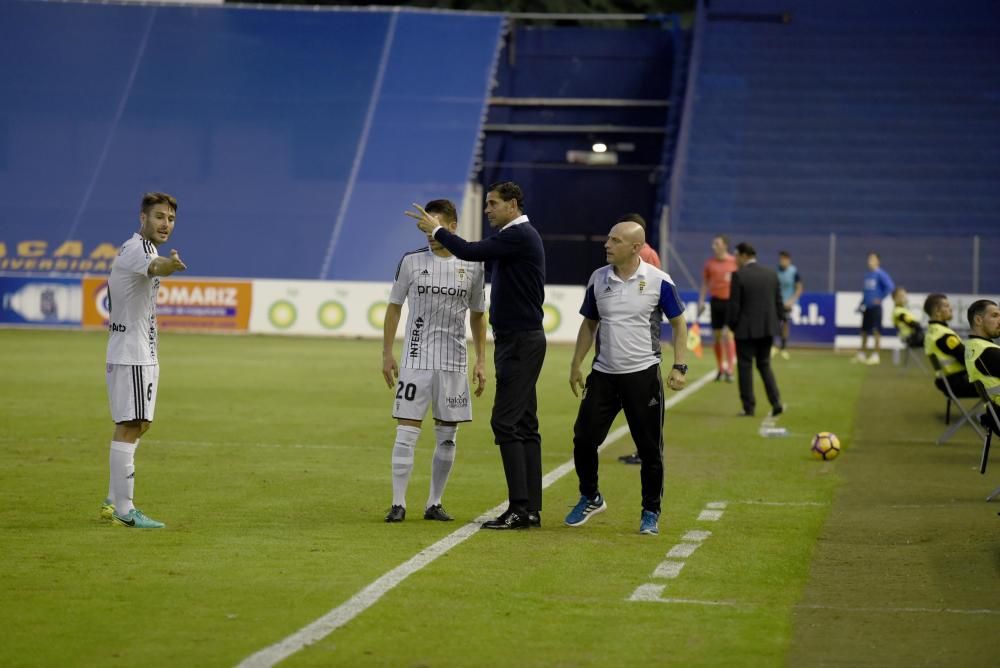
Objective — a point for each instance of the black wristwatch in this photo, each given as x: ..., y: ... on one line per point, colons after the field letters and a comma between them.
x: 683, y: 368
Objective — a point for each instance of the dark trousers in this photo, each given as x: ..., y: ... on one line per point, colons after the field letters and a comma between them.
x: 749, y: 351
x: 640, y: 394
x: 518, y: 358
x: 960, y: 385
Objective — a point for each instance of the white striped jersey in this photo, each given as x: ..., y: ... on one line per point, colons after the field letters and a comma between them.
x: 438, y: 291
x: 132, y: 336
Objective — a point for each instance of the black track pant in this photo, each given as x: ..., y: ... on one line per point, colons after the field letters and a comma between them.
x: 640, y: 395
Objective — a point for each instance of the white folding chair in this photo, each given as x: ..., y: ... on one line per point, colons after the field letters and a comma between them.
x: 968, y: 417
x: 987, y: 396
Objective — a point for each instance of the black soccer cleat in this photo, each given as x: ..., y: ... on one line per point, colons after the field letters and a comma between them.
x: 436, y: 512
x: 396, y: 514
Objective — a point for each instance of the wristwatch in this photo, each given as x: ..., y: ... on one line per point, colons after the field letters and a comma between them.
x: 683, y: 368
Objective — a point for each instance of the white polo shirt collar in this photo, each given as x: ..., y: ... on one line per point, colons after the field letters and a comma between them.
x: 517, y: 221
x: 639, y: 273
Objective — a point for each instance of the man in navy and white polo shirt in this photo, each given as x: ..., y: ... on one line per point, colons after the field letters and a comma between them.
x: 624, y: 306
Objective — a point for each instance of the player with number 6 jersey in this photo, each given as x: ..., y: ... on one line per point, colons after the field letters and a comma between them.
x: 438, y: 289
x: 132, y: 370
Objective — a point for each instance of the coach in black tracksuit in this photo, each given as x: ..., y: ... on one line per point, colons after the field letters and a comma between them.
x: 754, y: 304
x: 516, y: 261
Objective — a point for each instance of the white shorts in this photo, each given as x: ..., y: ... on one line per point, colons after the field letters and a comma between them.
x: 132, y: 391
x: 446, y: 391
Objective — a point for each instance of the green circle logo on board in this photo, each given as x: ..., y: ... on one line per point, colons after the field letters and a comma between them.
x: 376, y: 314
x: 331, y: 314
x: 282, y: 314
x: 551, y: 318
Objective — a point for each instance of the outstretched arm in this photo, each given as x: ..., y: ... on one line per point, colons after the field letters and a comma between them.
x: 493, y: 248
x: 165, y: 266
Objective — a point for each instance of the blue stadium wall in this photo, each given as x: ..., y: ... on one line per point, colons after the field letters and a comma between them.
x: 293, y: 140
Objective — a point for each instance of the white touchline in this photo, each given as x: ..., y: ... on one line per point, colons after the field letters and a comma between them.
x: 751, y: 502
x: 367, y: 597
x: 710, y: 516
x: 654, y: 592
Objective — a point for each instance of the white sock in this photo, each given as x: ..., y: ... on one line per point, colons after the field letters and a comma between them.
x: 122, y: 465
x: 111, y: 487
x: 444, y: 458
x: 402, y: 462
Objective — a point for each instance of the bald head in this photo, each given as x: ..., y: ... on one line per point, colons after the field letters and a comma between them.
x: 630, y: 231
x: 623, y: 244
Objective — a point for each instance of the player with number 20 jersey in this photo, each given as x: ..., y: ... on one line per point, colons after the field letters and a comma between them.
x: 438, y: 289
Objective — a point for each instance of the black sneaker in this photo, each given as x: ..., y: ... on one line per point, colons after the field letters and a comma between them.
x: 436, y: 512
x: 777, y: 410
x: 535, y: 519
x: 630, y: 459
x: 396, y: 514
x: 718, y: 376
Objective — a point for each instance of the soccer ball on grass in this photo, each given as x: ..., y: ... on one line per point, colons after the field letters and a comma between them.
x: 825, y: 445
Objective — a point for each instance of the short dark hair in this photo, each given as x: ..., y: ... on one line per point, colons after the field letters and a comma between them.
x: 508, y: 190
x: 743, y: 248
x: 785, y: 254
x: 724, y: 238
x: 933, y: 301
x: 149, y: 200
x: 978, y: 307
x: 445, y: 207
x: 896, y: 290
x: 875, y: 254
x: 633, y: 218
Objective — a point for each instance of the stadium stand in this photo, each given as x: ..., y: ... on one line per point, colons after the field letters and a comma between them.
x: 872, y: 121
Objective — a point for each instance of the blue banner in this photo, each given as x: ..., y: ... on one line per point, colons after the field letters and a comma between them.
x: 48, y: 302
x: 813, y: 319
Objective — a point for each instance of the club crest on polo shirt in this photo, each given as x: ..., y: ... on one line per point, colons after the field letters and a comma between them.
x: 461, y: 273
x: 642, y: 285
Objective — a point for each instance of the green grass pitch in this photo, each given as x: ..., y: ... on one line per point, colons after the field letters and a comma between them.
x: 269, y: 460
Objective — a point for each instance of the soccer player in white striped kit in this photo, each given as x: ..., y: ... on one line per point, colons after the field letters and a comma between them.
x: 132, y: 366
x: 439, y: 289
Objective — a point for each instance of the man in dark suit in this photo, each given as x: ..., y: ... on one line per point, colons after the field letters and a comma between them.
x: 517, y: 291
x: 754, y: 305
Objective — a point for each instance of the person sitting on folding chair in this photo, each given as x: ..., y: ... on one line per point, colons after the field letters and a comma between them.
x: 911, y: 332
x: 943, y: 343
x: 982, y: 356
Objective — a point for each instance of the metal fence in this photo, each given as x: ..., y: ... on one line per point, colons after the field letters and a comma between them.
x: 832, y: 262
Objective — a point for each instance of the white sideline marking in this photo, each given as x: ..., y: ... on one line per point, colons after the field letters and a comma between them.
x: 716, y: 505
x: 696, y: 536
x: 709, y: 516
x: 682, y: 550
x: 654, y: 592
x: 367, y: 597
x: 751, y: 502
x: 956, y: 611
x: 668, y: 570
